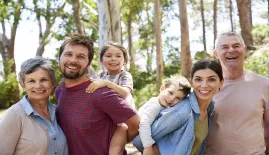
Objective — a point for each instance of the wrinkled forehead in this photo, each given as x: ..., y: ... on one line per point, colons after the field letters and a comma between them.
x: 229, y: 40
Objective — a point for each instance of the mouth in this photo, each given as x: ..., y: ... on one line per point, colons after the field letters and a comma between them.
x: 39, y: 91
x: 231, y: 58
x: 204, y: 92
x: 71, y: 67
x: 113, y: 64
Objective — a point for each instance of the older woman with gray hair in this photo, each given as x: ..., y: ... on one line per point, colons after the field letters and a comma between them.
x: 30, y: 126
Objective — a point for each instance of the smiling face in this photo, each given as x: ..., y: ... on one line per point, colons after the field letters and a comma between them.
x: 205, y: 84
x: 230, y: 52
x: 38, y: 85
x: 113, y: 60
x: 74, y: 61
x: 171, y: 95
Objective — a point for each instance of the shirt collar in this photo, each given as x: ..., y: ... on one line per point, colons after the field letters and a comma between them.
x: 28, y: 109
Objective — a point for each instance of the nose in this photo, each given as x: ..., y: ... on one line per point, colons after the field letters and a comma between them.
x: 231, y: 49
x: 204, y: 83
x: 113, y: 58
x: 73, y: 59
x: 38, y: 84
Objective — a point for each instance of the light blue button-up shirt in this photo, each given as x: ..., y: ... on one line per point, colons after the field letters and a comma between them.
x: 173, y: 130
x: 57, y: 140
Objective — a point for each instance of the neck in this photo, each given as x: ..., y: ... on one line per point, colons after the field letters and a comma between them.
x: 40, y: 106
x: 73, y: 82
x: 203, y: 105
x: 233, y: 73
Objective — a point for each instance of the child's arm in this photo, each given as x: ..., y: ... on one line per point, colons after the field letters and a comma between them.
x: 122, y: 91
x: 150, y: 112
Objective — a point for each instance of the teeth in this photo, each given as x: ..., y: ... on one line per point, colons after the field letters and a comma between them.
x: 39, y: 91
x: 204, y: 91
x: 71, y: 67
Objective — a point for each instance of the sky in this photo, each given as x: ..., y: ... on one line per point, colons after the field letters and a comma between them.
x: 26, y: 41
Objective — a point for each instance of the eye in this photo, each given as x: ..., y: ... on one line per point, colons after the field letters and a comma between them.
x: 68, y: 54
x: 179, y: 98
x: 197, y: 80
x: 171, y: 93
x: 81, y: 57
x: 211, y: 79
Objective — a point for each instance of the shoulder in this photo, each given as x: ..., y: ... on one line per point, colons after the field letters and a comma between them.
x: 14, y: 113
x: 125, y: 73
x: 254, y: 76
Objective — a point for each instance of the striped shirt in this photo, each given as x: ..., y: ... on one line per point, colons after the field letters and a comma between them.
x: 89, y: 120
x: 123, y: 79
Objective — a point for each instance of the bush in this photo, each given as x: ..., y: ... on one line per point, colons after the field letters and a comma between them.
x: 258, y: 64
x: 260, y: 34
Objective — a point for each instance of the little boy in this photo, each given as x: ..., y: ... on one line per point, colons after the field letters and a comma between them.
x: 172, y: 91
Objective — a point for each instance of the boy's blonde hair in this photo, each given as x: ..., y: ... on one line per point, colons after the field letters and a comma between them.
x: 178, y: 80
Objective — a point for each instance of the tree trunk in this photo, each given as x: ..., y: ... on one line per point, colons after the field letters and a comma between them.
x: 245, y: 22
x: 50, y: 18
x: 231, y: 15
x: 76, y: 14
x: 215, y: 20
x: 185, y: 56
x: 158, y: 40
x: 130, y: 42
x: 203, y: 24
x: 109, y: 21
x: 268, y: 24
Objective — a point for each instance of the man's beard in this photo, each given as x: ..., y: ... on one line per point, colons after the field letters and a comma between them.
x: 73, y: 76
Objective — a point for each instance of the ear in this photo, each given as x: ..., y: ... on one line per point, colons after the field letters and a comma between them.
x: 22, y: 84
x: 190, y: 80
x: 222, y: 81
x: 162, y: 88
x: 215, y: 54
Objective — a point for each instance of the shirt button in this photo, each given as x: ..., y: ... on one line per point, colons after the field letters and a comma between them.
x: 55, y: 153
x: 54, y: 138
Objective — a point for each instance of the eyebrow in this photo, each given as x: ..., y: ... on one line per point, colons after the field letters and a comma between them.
x: 213, y: 76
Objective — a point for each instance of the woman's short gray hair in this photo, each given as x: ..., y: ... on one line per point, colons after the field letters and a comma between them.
x: 31, y: 65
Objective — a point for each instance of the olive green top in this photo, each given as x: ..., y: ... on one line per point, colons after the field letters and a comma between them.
x: 201, y: 131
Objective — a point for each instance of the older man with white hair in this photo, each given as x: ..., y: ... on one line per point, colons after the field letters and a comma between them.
x: 239, y: 120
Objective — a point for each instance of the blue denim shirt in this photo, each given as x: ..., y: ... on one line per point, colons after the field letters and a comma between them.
x: 57, y: 140
x: 173, y: 130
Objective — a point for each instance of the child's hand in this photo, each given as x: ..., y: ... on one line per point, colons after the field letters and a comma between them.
x: 96, y: 84
x: 151, y: 150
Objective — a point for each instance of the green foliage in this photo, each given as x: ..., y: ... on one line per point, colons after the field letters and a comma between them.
x: 6, y: 88
x: 141, y: 96
x: 258, y: 64
x: 260, y: 34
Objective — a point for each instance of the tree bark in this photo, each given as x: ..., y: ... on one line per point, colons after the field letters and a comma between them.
x: 76, y: 14
x: 158, y: 40
x: 50, y: 18
x: 203, y: 24
x: 130, y: 42
x: 245, y: 22
x: 109, y: 21
x: 185, y: 56
x: 215, y: 20
x: 231, y: 15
